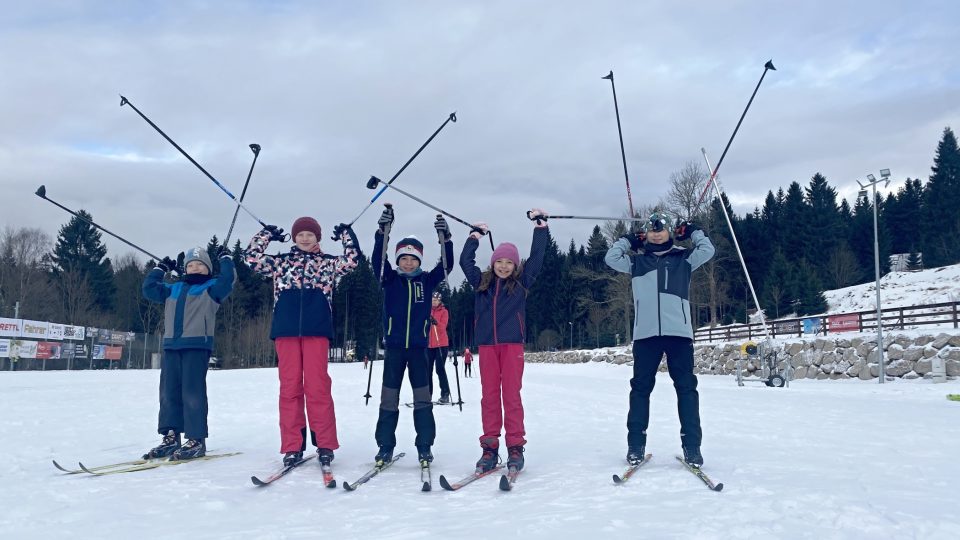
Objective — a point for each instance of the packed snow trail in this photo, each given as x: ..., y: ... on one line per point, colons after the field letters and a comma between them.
x: 821, y: 460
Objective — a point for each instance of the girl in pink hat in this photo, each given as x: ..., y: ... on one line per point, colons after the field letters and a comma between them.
x: 500, y: 309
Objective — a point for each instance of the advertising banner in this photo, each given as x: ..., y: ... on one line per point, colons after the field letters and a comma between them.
x: 48, y: 350
x: 10, y: 327
x: 98, y: 352
x: 786, y: 327
x: 23, y: 349
x: 113, y: 353
x: 55, y: 331
x: 80, y: 351
x: 4, y: 348
x: 34, y: 329
x: 849, y: 322
x: 75, y: 333
x: 812, y: 325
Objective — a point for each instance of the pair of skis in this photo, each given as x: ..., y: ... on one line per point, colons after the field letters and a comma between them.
x: 696, y: 471
x: 506, y: 480
x: 327, y: 470
x: 135, y: 465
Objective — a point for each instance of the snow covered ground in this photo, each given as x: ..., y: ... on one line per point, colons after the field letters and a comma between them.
x: 822, y: 459
x: 899, y: 289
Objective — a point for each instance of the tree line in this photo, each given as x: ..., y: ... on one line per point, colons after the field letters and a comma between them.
x: 802, y: 241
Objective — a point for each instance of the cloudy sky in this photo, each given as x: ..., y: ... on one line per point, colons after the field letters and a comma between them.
x: 335, y: 92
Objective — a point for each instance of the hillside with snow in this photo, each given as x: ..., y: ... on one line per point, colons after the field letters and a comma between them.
x: 899, y: 289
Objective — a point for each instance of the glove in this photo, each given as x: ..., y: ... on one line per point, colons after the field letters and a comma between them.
x: 636, y: 241
x: 443, y: 229
x: 221, y: 252
x: 539, y: 216
x: 386, y: 219
x: 684, y: 230
x: 433, y: 321
x: 167, y: 265
x: 276, y: 233
x: 339, y: 230
x: 478, y: 230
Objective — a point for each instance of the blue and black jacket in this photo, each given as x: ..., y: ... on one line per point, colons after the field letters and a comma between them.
x: 190, y: 310
x: 407, y: 298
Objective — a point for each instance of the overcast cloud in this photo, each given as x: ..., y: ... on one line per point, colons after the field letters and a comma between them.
x: 337, y: 91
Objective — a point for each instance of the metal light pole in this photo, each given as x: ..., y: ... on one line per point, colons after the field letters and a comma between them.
x: 885, y: 178
x: 571, y: 334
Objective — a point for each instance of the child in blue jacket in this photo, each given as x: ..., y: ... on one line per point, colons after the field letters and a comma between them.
x: 407, y: 293
x: 190, y: 308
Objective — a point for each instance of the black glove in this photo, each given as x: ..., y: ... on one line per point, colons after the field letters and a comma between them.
x: 684, y: 230
x: 636, y: 239
x: 221, y: 252
x: 276, y: 233
x: 339, y: 230
x: 386, y: 219
x: 167, y: 265
x: 443, y: 229
x: 433, y: 321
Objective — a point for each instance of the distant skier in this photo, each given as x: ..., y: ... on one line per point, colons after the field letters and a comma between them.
x: 467, y: 363
x: 406, y: 300
x: 303, y: 281
x: 190, y: 308
x: 500, y: 308
x: 437, y: 349
x: 661, y: 274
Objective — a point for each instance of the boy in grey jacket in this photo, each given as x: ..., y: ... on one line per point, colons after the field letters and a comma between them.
x: 190, y: 308
x: 662, y: 325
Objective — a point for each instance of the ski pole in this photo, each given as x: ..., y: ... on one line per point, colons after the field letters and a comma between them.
x: 736, y: 244
x: 125, y: 101
x: 376, y: 352
x: 42, y: 193
x: 386, y: 245
x: 457, y: 375
x: 596, y: 218
x: 443, y: 261
x: 256, y: 153
x: 374, y: 180
x: 766, y: 67
x: 623, y: 154
x: 451, y: 118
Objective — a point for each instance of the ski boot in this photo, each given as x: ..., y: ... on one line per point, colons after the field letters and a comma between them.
x: 424, y: 454
x: 635, y: 455
x: 192, y: 449
x: 489, y: 459
x: 515, y: 457
x: 444, y: 398
x: 169, y: 445
x: 325, y: 455
x: 691, y: 454
x: 384, y: 456
x: 292, y: 458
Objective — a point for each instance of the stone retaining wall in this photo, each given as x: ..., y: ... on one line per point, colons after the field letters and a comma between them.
x: 907, y: 356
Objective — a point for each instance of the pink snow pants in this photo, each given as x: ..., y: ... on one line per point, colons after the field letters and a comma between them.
x: 501, y: 377
x: 302, y: 365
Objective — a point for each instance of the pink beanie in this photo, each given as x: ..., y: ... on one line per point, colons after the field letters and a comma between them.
x: 508, y: 251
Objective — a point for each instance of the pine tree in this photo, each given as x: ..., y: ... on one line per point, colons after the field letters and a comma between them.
x: 809, y: 291
x: 777, y: 294
x: 80, y: 261
x: 941, y: 199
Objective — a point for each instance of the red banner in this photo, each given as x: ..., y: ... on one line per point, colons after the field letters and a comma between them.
x: 113, y: 353
x: 849, y: 322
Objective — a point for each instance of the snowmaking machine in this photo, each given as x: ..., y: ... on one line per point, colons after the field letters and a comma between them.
x: 765, y: 356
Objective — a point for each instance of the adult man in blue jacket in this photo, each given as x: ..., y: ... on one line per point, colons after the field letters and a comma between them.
x: 660, y: 275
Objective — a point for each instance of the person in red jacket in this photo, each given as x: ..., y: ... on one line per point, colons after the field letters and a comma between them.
x: 467, y: 363
x: 437, y: 349
x: 500, y: 307
x: 302, y: 326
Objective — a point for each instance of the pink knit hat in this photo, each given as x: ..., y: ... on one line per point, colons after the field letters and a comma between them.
x: 508, y: 251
